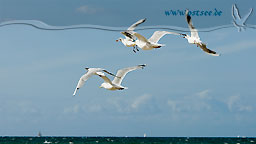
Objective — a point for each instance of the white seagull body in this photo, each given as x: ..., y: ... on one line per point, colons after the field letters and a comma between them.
x: 129, y: 40
x: 194, y: 37
x: 152, y: 42
x: 116, y: 83
x: 90, y: 72
x: 237, y: 20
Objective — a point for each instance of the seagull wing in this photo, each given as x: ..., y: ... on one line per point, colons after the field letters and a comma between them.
x: 102, y: 75
x: 193, y: 30
x: 208, y: 51
x: 122, y: 72
x: 128, y: 35
x: 235, y: 13
x: 132, y: 27
x: 157, y: 35
x: 85, y: 77
x: 82, y: 80
x: 140, y: 37
x: 246, y: 16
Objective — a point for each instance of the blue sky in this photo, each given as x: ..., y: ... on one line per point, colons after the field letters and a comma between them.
x: 181, y: 92
x: 120, y: 13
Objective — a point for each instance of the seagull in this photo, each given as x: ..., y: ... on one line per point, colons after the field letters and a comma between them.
x: 152, y: 42
x: 237, y: 21
x: 116, y: 83
x: 90, y: 72
x: 194, y: 37
x: 129, y: 40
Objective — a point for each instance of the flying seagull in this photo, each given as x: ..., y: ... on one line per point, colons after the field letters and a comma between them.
x: 152, y: 42
x: 237, y: 20
x: 90, y: 72
x: 116, y: 83
x: 129, y: 40
x: 194, y: 37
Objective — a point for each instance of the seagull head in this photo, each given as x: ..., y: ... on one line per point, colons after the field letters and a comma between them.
x: 102, y: 85
x: 86, y: 68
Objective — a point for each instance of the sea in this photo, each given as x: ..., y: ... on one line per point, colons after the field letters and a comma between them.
x: 127, y: 140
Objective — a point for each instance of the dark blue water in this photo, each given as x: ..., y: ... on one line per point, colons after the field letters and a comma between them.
x: 126, y: 140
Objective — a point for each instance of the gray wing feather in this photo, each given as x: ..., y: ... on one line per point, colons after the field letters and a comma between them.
x: 140, y: 37
x: 102, y: 75
x: 122, y: 72
x: 157, y: 35
x: 132, y: 27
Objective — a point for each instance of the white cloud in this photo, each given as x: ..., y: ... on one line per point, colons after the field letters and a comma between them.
x: 87, y: 9
x: 72, y: 109
x: 140, y: 100
x: 173, y: 105
x: 93, y: 108
x: 204, y: 94
x: 78, y: 108
x: 195, y: 102
x: 232, y: 101
x: 237, y: 46
x: 245, y: 108
x: 234, y: 104
x: 188, y: 105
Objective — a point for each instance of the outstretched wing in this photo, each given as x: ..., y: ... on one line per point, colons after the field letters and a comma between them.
x: 193, y: 30
x: 82, y: 80
x: 246, y: 16
x: 235, y: 12
x: 208, y: 51
x: 85, y: 77
x: 128, y: 35
x: 102, y: 75
x: 157, y: 35
x: 122, y: 72
x: 132, y: 27
x: 140, y: 37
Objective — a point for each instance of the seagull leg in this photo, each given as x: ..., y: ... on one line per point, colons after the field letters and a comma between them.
x: 137, y: 48
x: 134, y: 49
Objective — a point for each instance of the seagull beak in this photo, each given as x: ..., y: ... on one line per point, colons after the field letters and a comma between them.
x: 100, y: 86
x: 117, y: 40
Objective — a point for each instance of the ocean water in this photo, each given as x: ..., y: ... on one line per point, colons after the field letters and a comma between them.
x: 127, y: 140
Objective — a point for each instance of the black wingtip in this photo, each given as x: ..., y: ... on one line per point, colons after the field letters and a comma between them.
x: 142, y: 66
x: 188, y: 17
